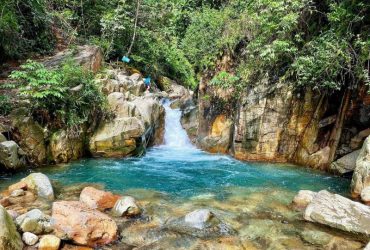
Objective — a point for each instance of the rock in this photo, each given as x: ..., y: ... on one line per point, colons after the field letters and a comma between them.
x: 65, y: 147
x: 177, y: 91
x: 34, y: 221
x: 19, y: 185
x: 361, y: 176
x: 5, y: 202
x: 30, y: 137
x: 344, y: 244
x: 49, y: 242
x: 73, y: 247
x: 218, y: 141
x: 365, y: 195
x: 135, y: 77
x: 2, y: 138
x: 189, y: 121
x: 13, y: 214
x: 316, y: 237
x: 40, y: 184
x: 11, y: 155
x: 345, y: 164
x: 17, y: 192
x: 367, y: 246
x: 339, y: 212
x: 199, y: 218
x: 303, y: 199
x: 72, y: 220
x: 30, y: 239
x: 126, y: 206
x: 9, y: 237
x: 358, y: 140
x: 98, y: 199
x: 88, y: 56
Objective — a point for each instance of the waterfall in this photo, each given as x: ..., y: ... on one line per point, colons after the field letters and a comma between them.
x: 175, y: 136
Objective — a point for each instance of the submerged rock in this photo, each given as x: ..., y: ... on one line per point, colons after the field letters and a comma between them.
x: 9, y: 237
x: 303, y: 199
x: 126, y: 206
x: 316, y: 237
x: 339, y: 212
x: 73, y: 220
x: 34, y: 221
x: 30, y: 239
x: 11, y: 155
x: 98, y: 199
x: 39, y: 183
x: 199, y: 218
x: 361, y: 176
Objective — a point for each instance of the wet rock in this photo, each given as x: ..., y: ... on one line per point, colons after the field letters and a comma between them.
x: 199, y: 223
x: 365, y: 195
x: 49, y: 242
x: 303, y: 198
x: 98, y: 199
x: 189, y: 121
x: 17, y: 193
x: 345, y: 164
x: 65, y: 147
x: 30, y: 239
x: 338, y: 243
x: 40, y: 183
x: 72, y: 220
x: 316, y: 237
x: 34, y: 221
x: 361, y: 176
x: 339, y: 212
x: 126, y: 206
x: 199, y: 218
x: 9, y: 237
x: 11, y: 155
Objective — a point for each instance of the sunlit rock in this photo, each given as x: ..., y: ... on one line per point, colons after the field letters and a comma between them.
x: 49, y: 242
x: 40, y: 184
x: 126, y: 206
x: 303, y: 198
x: 98, y: 199
x: 30, y: 239
x: 34, y: 221
x: 361, y: 176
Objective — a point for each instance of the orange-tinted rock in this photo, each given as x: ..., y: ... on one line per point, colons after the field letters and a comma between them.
x: 73, y: 220
x: 73, y: 247
x: 19, y: 185
x: 5, y: 202
x: 98, y: 199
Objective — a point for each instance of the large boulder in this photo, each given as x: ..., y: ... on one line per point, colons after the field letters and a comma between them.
x: 30, y: 137
x: 88, y: 56
x: 11, y: 155
x: 74, y: 221
x: 9, y: 237
x: 339, y: 212
x: 361, y: 176
x: 136, y: 122
x: 65, y: 147
x: 40, y: 184
x: 177, y: 91
x: 345, y: 164
x: 98, y: 199
x: 34, y: 221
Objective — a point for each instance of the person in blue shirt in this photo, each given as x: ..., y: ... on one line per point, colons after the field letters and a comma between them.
x: 147, y: 82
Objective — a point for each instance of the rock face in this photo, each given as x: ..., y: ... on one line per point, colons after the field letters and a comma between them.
x: 9, y: 237
x: 40, y: 184
x: 345, y: 164
x: 98, y: 199
x: 361, y: 176
x: 136, y: 123
x: 64, y: 147
x: 11, y: 155
x: 189, y: 121
x: 72, y: 220
x: 339, y: 212
x: 126, y: 206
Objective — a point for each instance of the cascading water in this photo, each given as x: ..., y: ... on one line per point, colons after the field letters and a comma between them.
x: 175, y: 136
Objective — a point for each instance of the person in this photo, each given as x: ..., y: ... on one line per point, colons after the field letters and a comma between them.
x: 147, y: 83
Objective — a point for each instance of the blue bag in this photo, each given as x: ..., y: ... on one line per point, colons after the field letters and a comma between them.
x: 147, y: 81
x: 126, y: 59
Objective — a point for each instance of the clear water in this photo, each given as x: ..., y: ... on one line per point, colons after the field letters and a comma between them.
x: 178, y: 168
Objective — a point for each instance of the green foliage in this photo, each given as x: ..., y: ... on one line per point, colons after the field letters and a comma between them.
x: 225, y: 80
x: 5, y: 105
x: 52, y: 96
